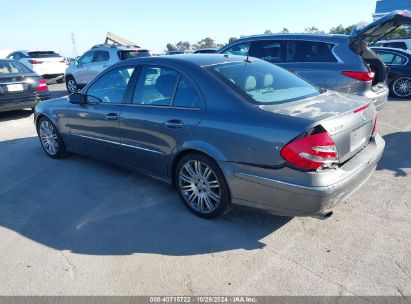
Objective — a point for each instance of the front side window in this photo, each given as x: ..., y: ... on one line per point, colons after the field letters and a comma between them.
x: 87, y: 58
x: 264, y: 83
x: 239, y: 49
x: 111, y: 87
x: 275, y: 51
x: 101, y: 56
x: 317, y: 52
x: 155, y: 86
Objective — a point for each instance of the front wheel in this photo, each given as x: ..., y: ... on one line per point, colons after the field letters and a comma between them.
x: 50, y: 138
x: 401, y: 87
x: 202, y: 186
x: 71, y: 85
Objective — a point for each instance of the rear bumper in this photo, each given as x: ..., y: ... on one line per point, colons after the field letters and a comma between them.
x: 379, y: 98
x: 326, y: 189
x: 18, y: 103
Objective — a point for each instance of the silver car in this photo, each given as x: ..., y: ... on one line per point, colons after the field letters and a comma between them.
x: 338, y: 62
x: 223, y: 129
x: 93, y: 62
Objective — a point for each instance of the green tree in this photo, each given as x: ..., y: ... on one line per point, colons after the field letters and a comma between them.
x: 170, y: 47
x: 232, y: 39
x: 284, y: 30
x: 313, y: 30
x: 337, y: 30
x: 206, y: 43
x: 268, y: 32
x: 183, y: 46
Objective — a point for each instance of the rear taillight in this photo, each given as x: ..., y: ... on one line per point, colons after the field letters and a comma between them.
x: 314, y: 151
x: 42, y: 86
x: 374, y: 127
x: 361, y: 76
x: 35, y: 61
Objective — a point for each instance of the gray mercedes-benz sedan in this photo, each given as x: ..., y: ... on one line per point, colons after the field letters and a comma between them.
x: 222, y: 129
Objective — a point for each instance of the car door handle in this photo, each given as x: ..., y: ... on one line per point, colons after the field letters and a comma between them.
x: 174, y: 124
x: 112, y: 116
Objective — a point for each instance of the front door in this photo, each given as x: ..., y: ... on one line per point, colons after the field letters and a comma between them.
x: 164, y: 109
x: 95, y: 125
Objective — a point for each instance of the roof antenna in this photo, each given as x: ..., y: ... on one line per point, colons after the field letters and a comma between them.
x: 247, y: 59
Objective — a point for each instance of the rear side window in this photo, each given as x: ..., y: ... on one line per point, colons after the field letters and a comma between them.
x: 101, y: 56
x: 186, y: 95
x: 123, y: 55
x: 239, y: 49
x: 396, y: 45
x: 263, y: 83
x: 47, y: 54
x: 313, y: 51
x: 13, y: 68
x: 275, y: 51
x: 155, y: 86
x: 392, y: 58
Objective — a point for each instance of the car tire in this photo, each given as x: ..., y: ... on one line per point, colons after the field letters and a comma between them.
x: 71, y: 84
x: 50, y: 138
x: 202, y: 186
x: 401, y: 87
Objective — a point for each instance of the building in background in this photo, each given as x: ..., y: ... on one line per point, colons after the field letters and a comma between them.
x: 384, y: 7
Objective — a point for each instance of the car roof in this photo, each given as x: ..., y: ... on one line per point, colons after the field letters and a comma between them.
x: 8, y: 60
x: 394, y: 40
x: 201, y: 60
x: 299, y: 36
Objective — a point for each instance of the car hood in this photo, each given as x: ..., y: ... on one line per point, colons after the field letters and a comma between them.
x: 381, y: 27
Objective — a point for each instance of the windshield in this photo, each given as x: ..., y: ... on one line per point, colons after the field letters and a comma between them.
x: 264, y: 83
x: 46, y: 54
x: 13, y: 68
x: 132, y: 54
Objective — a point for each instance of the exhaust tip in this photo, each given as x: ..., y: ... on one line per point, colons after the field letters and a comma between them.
x: 323, y: 215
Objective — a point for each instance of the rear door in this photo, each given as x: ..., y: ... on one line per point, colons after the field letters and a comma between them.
x: 284, y: 53
x: 320, y: 66
x: 95, y: 125
x: 164, y: 108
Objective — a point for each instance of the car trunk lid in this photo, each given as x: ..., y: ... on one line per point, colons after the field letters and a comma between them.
x: 18, y: 83
x: 348, y: 119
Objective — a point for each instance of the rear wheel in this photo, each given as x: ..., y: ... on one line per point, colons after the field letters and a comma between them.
x: 401, y: 87
x: 202, y: 186
x: 71, y: 84
x: 50, y: 138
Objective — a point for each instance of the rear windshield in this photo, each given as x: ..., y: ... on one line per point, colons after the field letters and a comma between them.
x: 264, y: 83
x: 132, y: 54
x: 46, y: 54
x: 13, y: 68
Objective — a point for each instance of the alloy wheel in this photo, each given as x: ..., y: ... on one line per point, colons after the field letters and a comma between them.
x: 48, y: 137
x: 402, y: 87
x: 72, y: 86
x: 199, y: 186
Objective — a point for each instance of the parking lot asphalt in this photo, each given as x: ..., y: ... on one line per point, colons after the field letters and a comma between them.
x: 80, y: 227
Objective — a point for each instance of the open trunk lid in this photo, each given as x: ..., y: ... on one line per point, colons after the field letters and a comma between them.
x: 381, y: 27
x: 348, y: 119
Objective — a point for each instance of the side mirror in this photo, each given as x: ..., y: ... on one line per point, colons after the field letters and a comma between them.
x: 77, y: 98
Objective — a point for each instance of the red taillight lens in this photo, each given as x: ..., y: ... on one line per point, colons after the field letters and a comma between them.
x: 311, y: 152
x: 361, y: 76
x: 374, y: 128
x: 42, y: 86
x: 35, y: 61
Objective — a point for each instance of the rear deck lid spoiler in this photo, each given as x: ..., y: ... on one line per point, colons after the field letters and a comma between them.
x: 381, y: 27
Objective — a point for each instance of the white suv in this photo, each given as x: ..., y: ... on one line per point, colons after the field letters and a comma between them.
x: 96, y: 60
x: 48, y: 64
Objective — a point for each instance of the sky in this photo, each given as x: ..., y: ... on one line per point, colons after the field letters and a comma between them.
x: 48, y: 24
